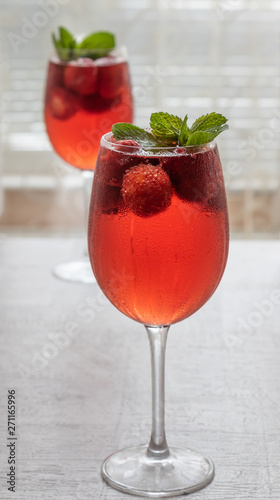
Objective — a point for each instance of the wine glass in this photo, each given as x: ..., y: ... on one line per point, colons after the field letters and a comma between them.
x: 83, y: 99
x: 158, y: 246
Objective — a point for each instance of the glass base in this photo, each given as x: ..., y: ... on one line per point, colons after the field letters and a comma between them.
x: 132, y: 471
x: 77, y: 271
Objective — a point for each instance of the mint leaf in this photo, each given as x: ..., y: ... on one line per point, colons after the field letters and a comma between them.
x: 97, y: 44
x: 184, y: 133
x: 56, y: 42
x: 64, y: 44
x: 204, y: 136
x: 123, y: 131
x: 94, y: 45
x: 100, y: 40
x: 59, y: 49
x: 206, y: 128
x: 166, y: 126
x: 207, y: 122
x: 67, y: 40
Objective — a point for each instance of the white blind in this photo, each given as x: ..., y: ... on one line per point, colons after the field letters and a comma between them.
x: 185, y: 57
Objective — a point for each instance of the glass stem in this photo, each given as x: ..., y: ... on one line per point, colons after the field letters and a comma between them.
x: 157, y: 337
x: 87, y: 186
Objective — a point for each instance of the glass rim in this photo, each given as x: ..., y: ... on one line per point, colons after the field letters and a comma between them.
x: 191, y: 149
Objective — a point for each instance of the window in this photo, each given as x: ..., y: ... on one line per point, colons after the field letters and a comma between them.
x: 191, y: 56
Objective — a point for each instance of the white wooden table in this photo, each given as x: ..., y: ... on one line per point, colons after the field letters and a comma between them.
x: 81, y: 372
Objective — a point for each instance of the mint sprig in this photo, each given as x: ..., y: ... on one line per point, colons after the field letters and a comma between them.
x: 95, y: 45
x: 169, y: 130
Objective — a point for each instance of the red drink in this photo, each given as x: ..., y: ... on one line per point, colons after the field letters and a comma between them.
x: 84, y: 98
x: 159, y: 268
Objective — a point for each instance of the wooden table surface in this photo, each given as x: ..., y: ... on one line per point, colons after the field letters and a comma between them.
x: 81, y: 375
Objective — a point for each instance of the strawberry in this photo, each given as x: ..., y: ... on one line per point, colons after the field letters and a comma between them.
x: 107, y: 198
x: 195, y: 177
x: 146, y: 189
x: 111, y: 78
x: 133, y: 146
x: 114, y: 165
x: 63, y: 104
x: 95, y: 103
x: 107, y: 60
x: 81, y: 76
x: 55, y: 74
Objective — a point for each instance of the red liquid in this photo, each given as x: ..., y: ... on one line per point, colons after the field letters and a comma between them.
x: 82, y: 105
x: 160, y: 269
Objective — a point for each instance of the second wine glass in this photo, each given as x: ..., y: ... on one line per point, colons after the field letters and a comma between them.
x: 83, y: 99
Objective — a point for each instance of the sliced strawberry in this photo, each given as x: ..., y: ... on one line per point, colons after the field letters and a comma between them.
x: 81, y: 76
x: 95, y: 103
x: 146, y: 189
x: 111, y: 78
x: 63, y: 104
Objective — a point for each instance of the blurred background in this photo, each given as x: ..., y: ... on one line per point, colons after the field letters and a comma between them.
x: 186, y: 56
